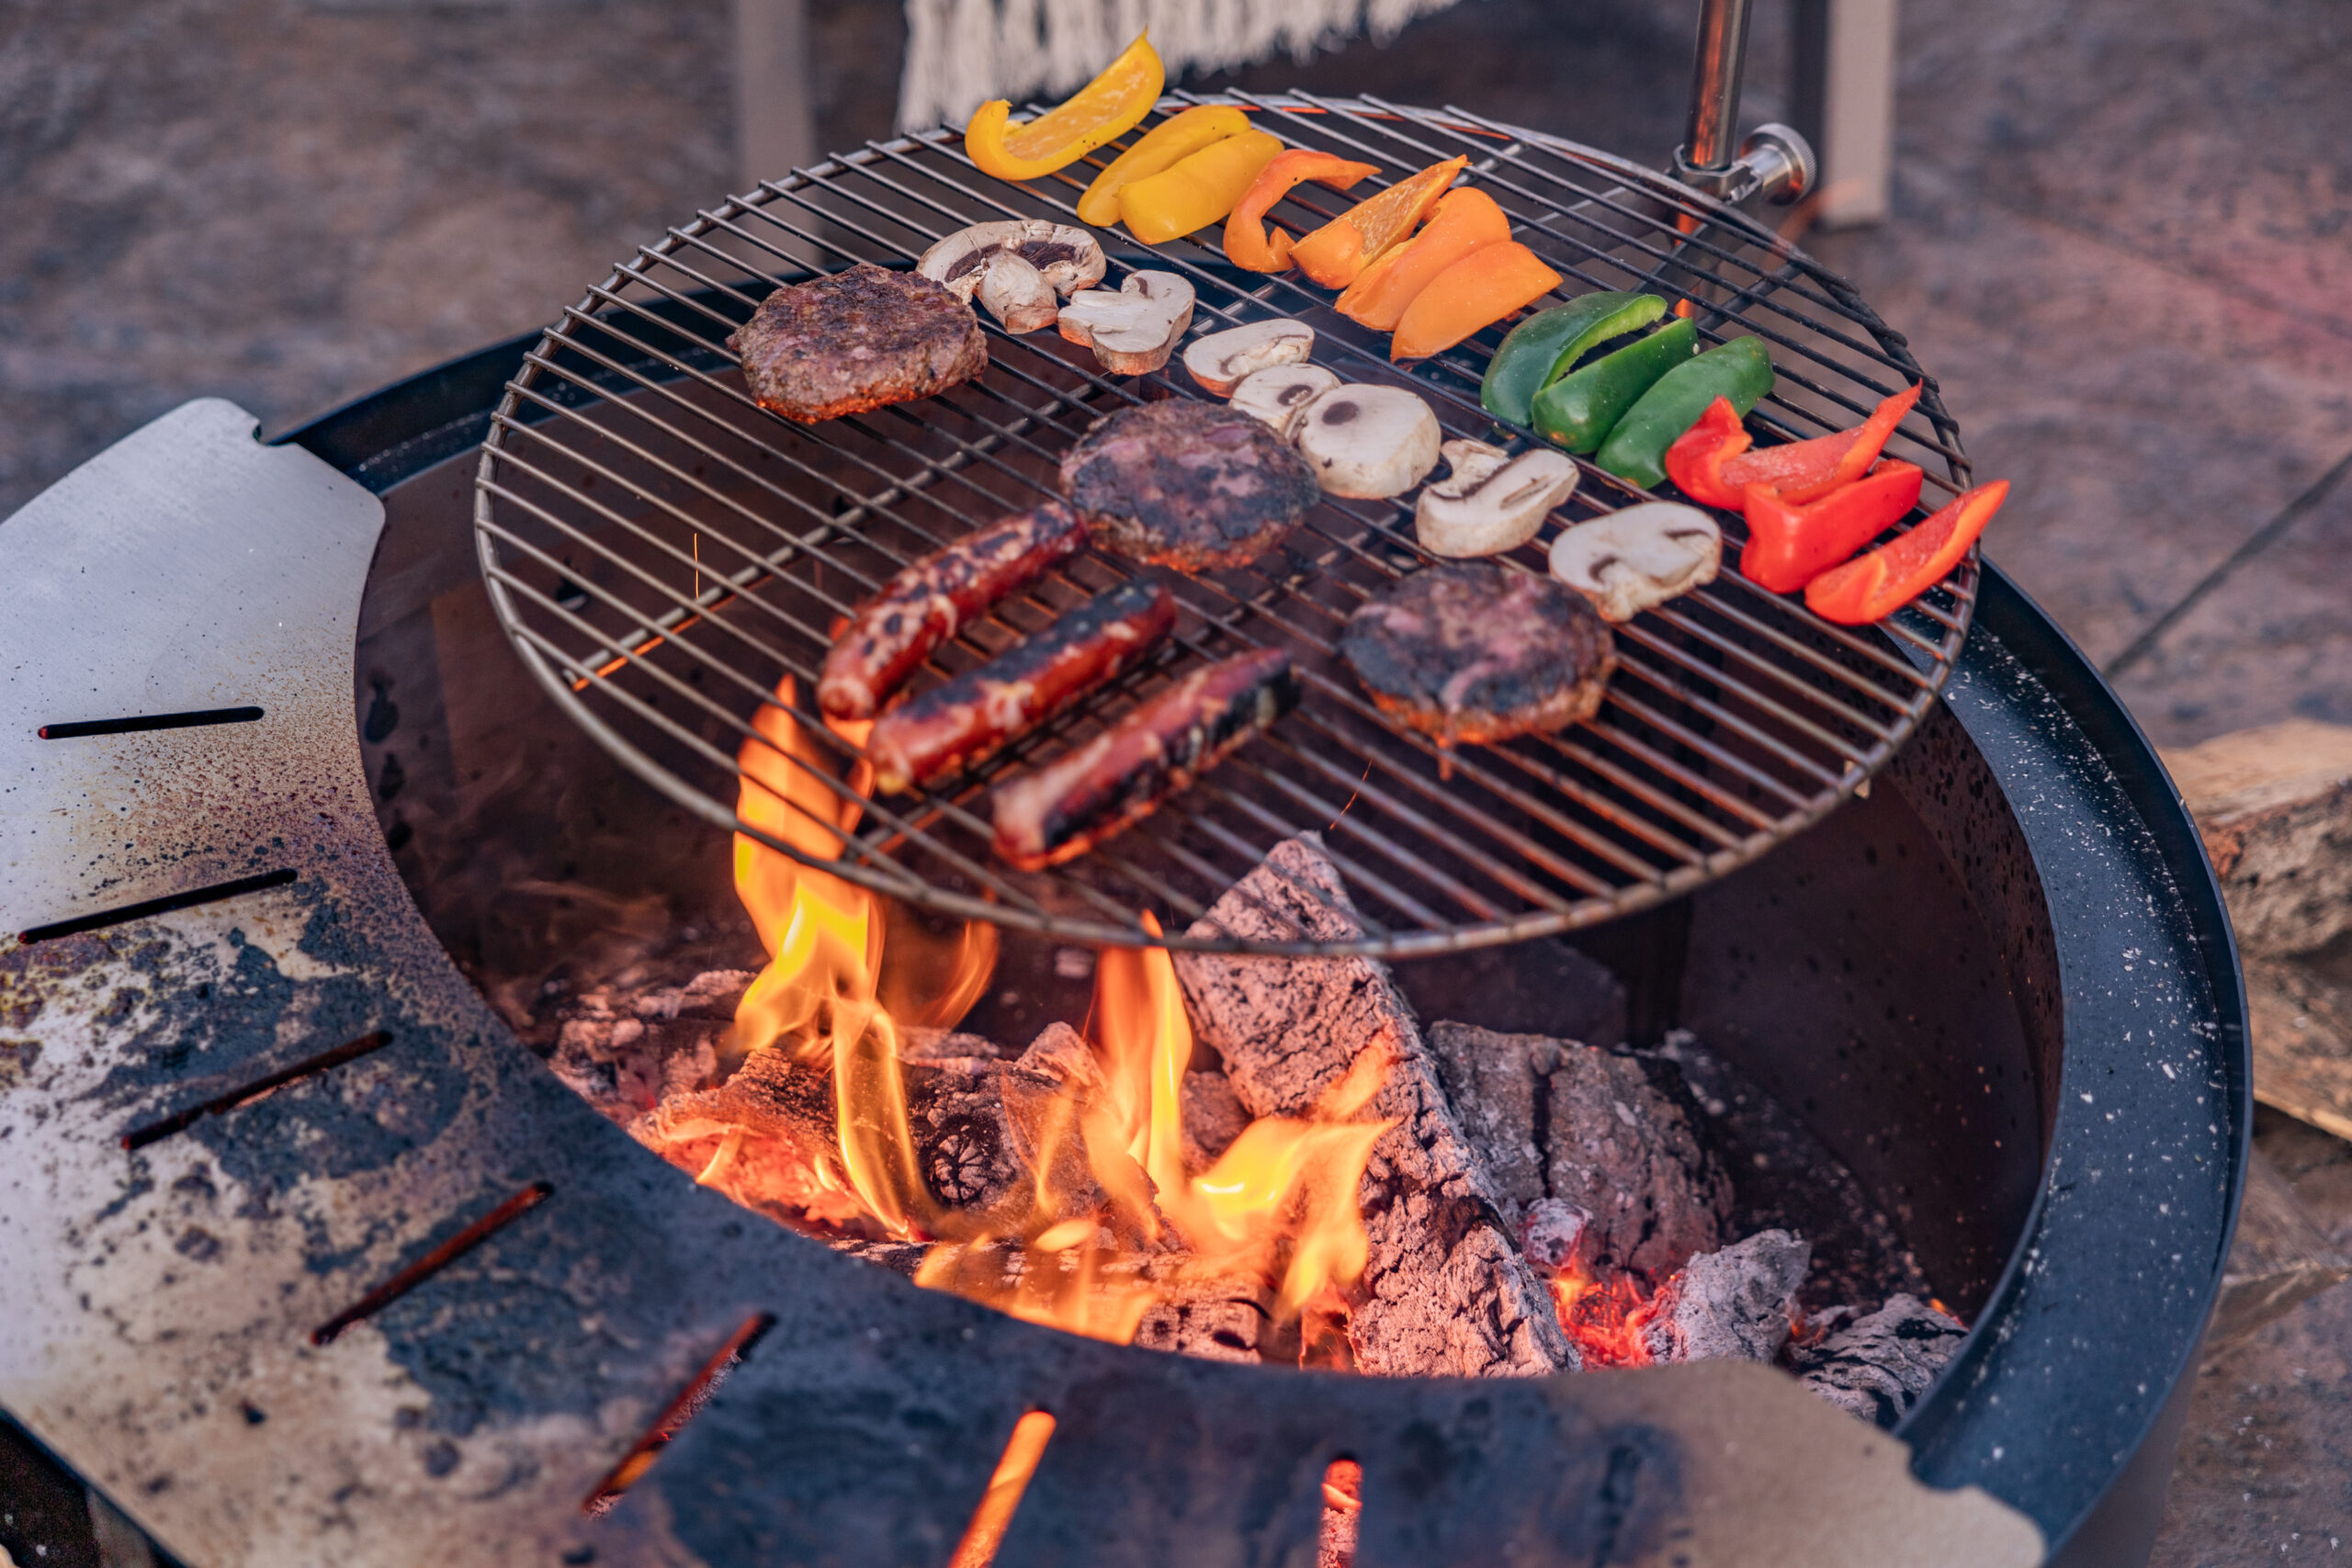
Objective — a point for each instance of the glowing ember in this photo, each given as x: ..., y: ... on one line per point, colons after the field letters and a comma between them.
x: 1109, y: 1221
x: 1604, y: 1319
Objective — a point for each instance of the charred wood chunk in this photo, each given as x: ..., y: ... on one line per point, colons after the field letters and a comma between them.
x: 1046, y: 1092
x: 963, y: 1133
x: 1496, y: 1083
x: 1445, y: 1292
x: 1626, y: 1155
x: 1213, y: 1117
x: 1729, y: 1305
x: 1216, y: 1325
x: 1877, y: 1367
x: 625, y: 1050
x: 1555, y: 1120
x: 919, y: 1044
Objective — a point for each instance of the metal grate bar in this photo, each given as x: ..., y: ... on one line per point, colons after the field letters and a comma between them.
x: 713, y: 544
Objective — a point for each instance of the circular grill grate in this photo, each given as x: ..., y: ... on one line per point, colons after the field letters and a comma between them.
x: 665, y: 553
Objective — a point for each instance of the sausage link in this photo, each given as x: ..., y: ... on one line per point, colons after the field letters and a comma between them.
x: 931, y: 599
x: 967, y: 719
x: 1120, y: 777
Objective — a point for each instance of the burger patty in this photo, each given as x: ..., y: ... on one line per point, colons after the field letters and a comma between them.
x: 1190, y: 485
x: 857, y: 340
x: 1472, y: 652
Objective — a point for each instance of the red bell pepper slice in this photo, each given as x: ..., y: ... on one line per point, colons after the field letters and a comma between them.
x: 1807, y: 471
x: 1787, y: 547
x: 1696, y: 460
x: 1872, y: 587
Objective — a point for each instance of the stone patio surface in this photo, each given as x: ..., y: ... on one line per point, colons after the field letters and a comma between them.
x: 2122, y: 241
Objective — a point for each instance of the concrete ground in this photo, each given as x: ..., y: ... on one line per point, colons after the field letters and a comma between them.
x: 2120, y: 241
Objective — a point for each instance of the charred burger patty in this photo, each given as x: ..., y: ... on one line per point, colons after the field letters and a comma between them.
x: 1190, y: 485
x: 1472, y: 651
x: 857, y: 340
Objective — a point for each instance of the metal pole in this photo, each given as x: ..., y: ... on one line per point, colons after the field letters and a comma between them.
x: 1714, y: 84
x: 1776, y: 162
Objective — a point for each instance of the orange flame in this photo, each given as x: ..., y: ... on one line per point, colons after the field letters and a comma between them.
x: 1086, y: 1255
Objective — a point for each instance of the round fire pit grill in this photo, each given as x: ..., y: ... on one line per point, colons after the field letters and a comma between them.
x: 664, y: 554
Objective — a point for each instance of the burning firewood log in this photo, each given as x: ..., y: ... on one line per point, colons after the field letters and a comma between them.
x: 1445, y: 1292
x: 1553, y: 1118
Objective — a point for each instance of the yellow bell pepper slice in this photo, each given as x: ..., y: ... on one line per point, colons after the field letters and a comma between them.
x: 1103, y: 110
x: 1198, y: 190
x: 1164, y: 145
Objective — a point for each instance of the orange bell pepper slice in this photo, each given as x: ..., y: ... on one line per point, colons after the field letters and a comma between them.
x: 1162, y: 147
x: 1872, y: 587
x: 1247, y: 243
x: 1480, y: 289
x: 1103, y: 110
x: 1787, y: 547
x: 1695, y: 462
x: 1807, y: 471
x: 1465, y: 220
x: 1336, y: 253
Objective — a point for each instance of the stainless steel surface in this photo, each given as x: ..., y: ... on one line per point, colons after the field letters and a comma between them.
x: 1717, y: 64
x: 1775, y: 162
x: 155, y: 1302
x: 200, y: 615
x: 662, y: 552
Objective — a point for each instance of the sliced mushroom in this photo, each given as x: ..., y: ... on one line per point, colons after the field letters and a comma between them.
x: 1017, y: 294
x: 1368, y: 442
x: 1015, y: 269
x: 1492, y: 502
x: 1133, y: 331
x: 1631, y: 560
x: 1069, y: 258
x: 1220, y: 360
x: 1280, y: 396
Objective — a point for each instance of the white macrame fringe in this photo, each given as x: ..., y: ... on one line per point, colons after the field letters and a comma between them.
x: 961, y: 54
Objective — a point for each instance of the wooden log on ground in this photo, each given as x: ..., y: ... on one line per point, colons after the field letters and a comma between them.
x: 1446, y: 1291
x: 2274, y: 806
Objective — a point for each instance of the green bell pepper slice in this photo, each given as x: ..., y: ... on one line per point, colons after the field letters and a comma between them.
x: 1739, y: 370
x: 1546, y: 346
x: 1580, y: 409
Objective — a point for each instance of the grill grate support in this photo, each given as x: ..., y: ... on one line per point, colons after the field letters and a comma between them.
x: 668, y: 558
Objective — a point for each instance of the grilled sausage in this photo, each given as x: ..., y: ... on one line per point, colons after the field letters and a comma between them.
x: 929, y: 600
x: 1122, y: 775
x: 968, y: 718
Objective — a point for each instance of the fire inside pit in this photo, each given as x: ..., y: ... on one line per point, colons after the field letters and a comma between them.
x: 1250, y: 1159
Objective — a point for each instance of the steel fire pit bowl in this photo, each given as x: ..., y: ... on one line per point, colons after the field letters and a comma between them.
x: 307, y: 1259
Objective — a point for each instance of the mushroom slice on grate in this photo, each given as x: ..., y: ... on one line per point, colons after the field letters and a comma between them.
x: 1280, y: 396
x: 1132, y: 331
x: 1492, y: 502
x: 1015, y: 269
x: 1220, y: 360
x: 1368, y: 442
x: 1631, y: 560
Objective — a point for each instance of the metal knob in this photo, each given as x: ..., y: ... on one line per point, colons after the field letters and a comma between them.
x: 1775, y: 162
